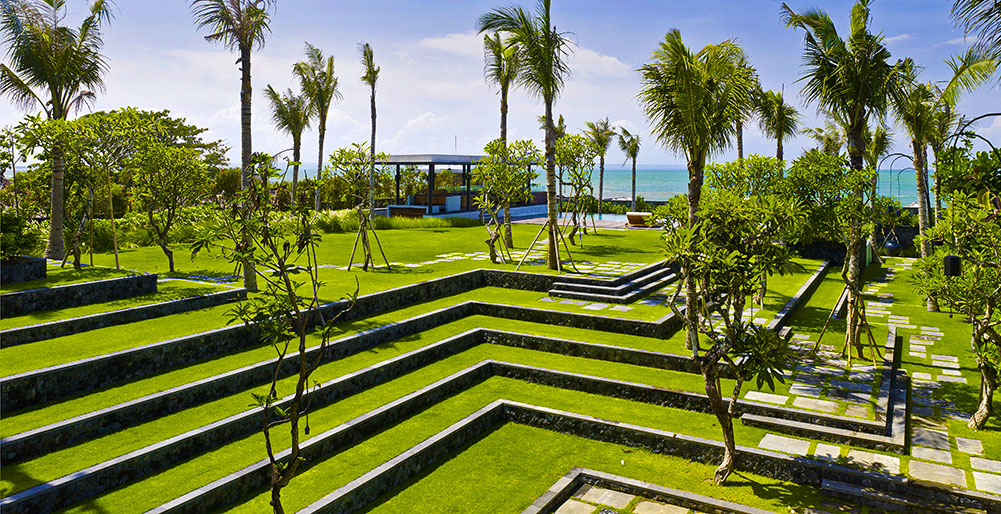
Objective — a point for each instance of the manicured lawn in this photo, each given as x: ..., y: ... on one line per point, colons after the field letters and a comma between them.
x: 56, y: 276
x: 166, y: 291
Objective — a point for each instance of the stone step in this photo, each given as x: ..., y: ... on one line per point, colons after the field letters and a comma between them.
x: 889, y: 501
x: 825, y: 433
x: 610, y: 298
x: 620, y: 289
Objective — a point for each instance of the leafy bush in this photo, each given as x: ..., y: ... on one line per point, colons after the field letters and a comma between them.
x: 613, y: 208
x: 227, y: 182
x: 17, y: 236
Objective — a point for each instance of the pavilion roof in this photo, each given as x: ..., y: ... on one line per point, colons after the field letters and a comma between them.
x: 425, y: 159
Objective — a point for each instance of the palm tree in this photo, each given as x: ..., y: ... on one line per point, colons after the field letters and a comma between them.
x: 542, y: 52
x: 829, y: 137
x: 55, y: 68
x: 983, y: 19
x: 600, y: 133
x: 501, y: 68
x: 877, y: 146
x: 291, y: 113
x: 560, y: 127
x: 370, y: 77
x: 777, y: 119
x: 916, y: 108
x: 851, y: 79
x: 318, y: 82
x: 630, y: 145
x: 693, y: 102
x: 240, y: 25
x: 943, y: 121
x: 755, y: 89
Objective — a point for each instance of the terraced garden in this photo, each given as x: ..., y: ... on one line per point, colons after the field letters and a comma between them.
x: 457, y: 385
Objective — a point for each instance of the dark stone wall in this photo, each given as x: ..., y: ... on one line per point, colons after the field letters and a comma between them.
x: 22, y: 269
x: 73, y: 295
x: 60, y: 328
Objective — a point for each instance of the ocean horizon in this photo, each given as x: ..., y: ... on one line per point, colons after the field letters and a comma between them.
x: 660, y: 182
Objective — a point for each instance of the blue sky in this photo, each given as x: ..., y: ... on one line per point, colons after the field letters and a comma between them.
x: 431, y: 94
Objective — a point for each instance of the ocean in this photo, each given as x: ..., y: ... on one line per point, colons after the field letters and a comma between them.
x: 661, y: 182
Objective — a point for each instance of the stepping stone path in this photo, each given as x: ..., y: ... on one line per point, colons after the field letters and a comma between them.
x: 784, y: 444
x: 591, y: 499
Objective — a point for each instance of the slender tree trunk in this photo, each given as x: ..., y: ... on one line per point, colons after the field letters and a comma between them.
x: 778, y: 148
x: 601, y: 182
x: 169, y: 253
x: 319, y: 164
x: 503, y: 116
x: 508, y: 237
x: 55, y: 249
x: 988, y: 384
x: 709, y: 375
x: 634, y: 184
x: 246, y: 144
x: 938, y: 188
x: 111, y: 214
x: 296, y: 147
x: 695, y: 178
x: 551, y: 258
x: 371, y: 173
x: 740, y: 142
x: 852, y: 274
x: 923, y: 225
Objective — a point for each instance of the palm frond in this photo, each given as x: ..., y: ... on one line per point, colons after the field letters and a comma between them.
x: 371, y: 75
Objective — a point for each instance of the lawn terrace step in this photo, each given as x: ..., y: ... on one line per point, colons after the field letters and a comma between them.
x: 64, y: 296
x: 65, y: 327
x: 625, y: 289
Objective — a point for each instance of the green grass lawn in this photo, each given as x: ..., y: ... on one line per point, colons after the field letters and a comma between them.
x: 56, y: 276
x: 165, y: 291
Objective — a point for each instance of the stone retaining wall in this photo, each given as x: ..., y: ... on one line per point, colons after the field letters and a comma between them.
x: 65, y: 327
x: 782, y: 318
x: 73, y: 295
x: 24, y: 268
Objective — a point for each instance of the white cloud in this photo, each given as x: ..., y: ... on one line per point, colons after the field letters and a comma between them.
x: 957, y: 41
x: 466, y: 44
x: 589, y: 62
x: 898, y: 38
x: 426, y: 126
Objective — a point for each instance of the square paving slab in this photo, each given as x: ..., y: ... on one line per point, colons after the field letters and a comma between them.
x: 810, y: 403
x: 804, y: 390
x: 827, y: 451
x: 874, y: 461
x: 920, y: 452
x: 575, y: 507
x: 937, y: 473
x: 766, y: 397
x: 985, y: 464
x: 933, y: 438
x: 784, y: 444
x: 987, y: 482
x: 607, y: 497
x: 859, y: 411
x: 973, y: 446
x: 648, y: 507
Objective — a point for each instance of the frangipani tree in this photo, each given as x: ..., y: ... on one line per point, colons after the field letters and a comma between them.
x: 575, y: 156
x: 504, y: 173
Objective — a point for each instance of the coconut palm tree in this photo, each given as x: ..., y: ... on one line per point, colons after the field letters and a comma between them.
x: 291, y: 113
x: 501, y: 68
x: 777, y: 119
x: 693, y: 102
x: 239, y: 25
x: 318, y: 82
x: 560, y: 127
x: 852, y: 80
x: 56, y: 68
x: 542, y: 52
x: 629, y: 143
x: 829, y: 138
x: 370, y: 77
x: 916, y: 109
x: 982, y: 19
x: 600, y: 133
x: 755, y: 89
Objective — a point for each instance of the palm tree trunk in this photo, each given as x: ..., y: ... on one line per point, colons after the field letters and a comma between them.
x: 508, y: 237
x: 778, y: 149
x: 695, y: 177
x: 55, y: 249
x: 551, y: 258
x: 296, y: 147
x: 371, y: 173
x: 938, y: 189
x: 920, y: 176
x: 634, y: 184
x: 246, y: 94
x: 601, y: 182
x: 503, y: 116
x: 740, y: 142
x: 319, y: 165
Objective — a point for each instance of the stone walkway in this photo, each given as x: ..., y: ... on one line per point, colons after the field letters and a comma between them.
x: 598, y: 500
